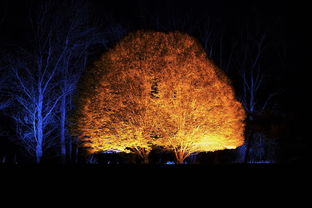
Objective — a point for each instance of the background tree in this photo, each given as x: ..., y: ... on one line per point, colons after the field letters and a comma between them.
x: 46, y: 73
x: 78, y: 36
x: 158, y: 88
x: 34, y: 92
x: 253, y: 71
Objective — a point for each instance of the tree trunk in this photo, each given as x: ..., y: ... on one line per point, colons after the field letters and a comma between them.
x: 249, y: 138
x: 39, y: 151
x: 180, y: 157
x: 62, y: 128
x: 179, y: 161
x: 144, y: 155
x: 145, y: 160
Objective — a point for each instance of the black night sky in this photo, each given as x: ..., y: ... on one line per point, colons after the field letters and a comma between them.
x: 236, y: 27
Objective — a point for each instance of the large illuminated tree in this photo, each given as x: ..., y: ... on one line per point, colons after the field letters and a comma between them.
x: 159, y: 89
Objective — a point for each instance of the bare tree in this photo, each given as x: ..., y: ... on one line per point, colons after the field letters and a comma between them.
x: 36, y: 87
x: 213, y: 41
x: 77, y: 36
x: 34, y: 93
x: 81, y: 36
x: 252, y: 73
x: 45, y: 74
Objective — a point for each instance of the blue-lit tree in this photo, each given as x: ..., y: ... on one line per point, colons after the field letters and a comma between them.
x: 254, y: 99
x: 80, y: 37
x: 34, y: 89
x: 36, y: 86
x: 76, y: 37
x: 45, y: 74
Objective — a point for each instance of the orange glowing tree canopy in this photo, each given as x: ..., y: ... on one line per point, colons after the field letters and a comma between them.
x: 158, y: 89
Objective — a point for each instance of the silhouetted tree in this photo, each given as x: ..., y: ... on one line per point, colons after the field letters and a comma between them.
x: 253, y: 50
